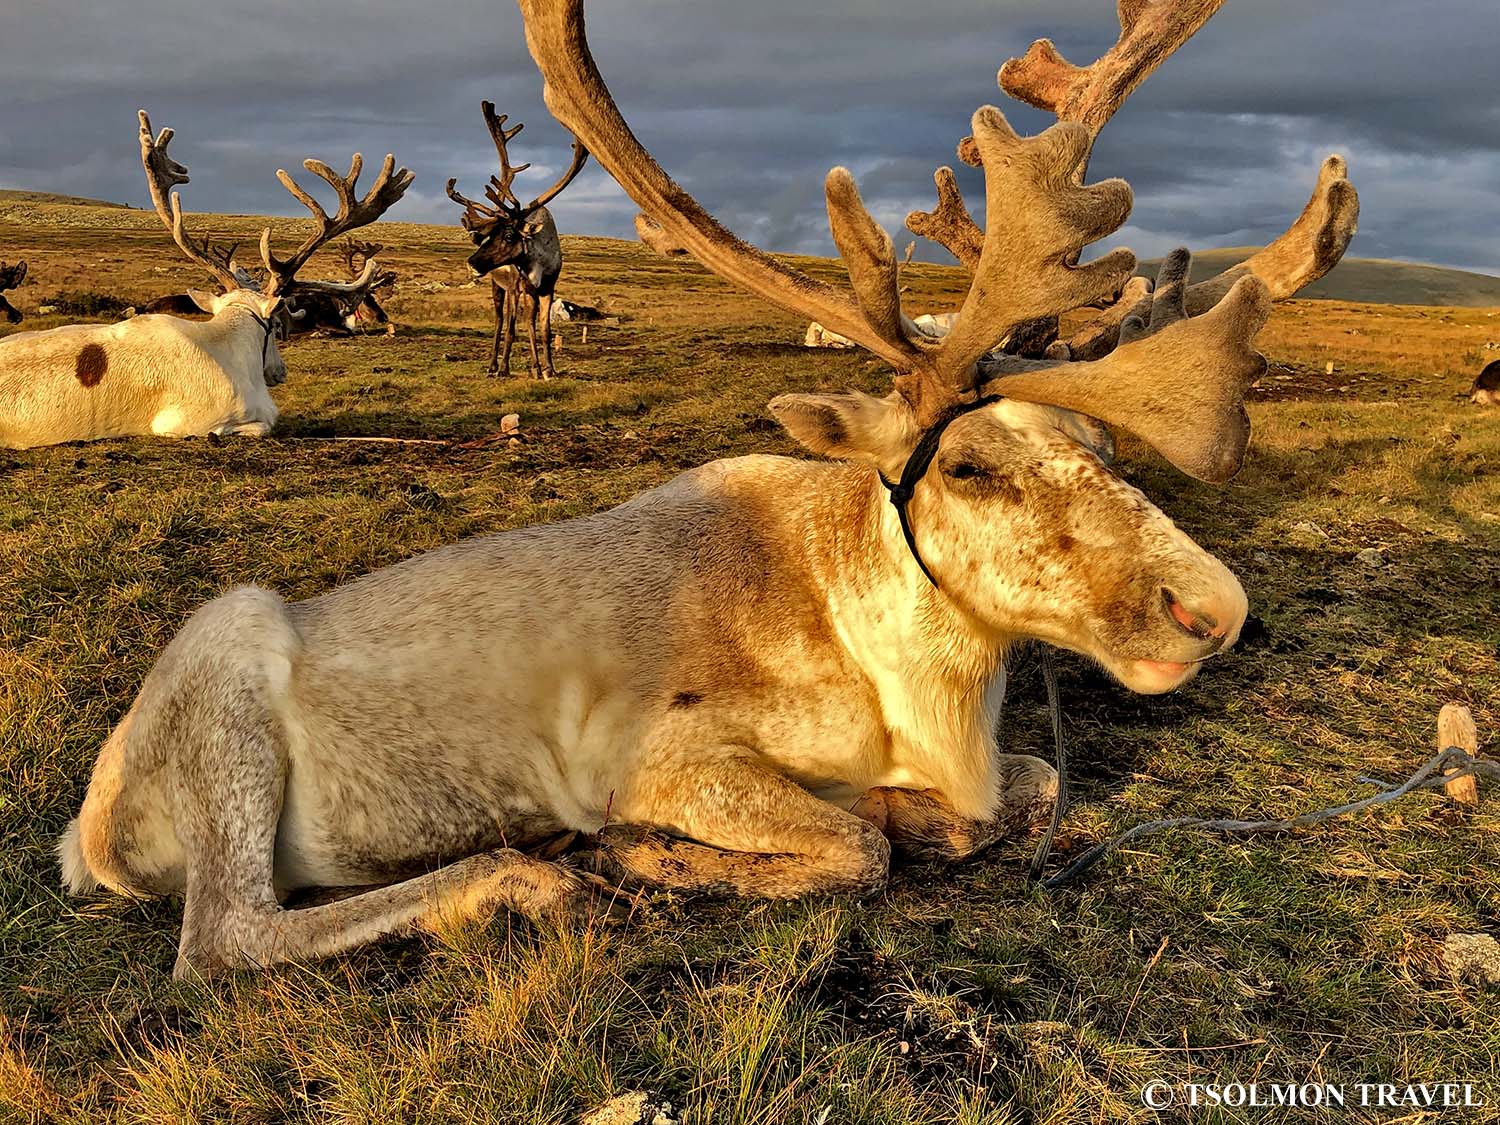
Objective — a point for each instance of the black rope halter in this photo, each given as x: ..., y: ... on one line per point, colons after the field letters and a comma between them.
x: 268, y: 325
x: 917, y: 464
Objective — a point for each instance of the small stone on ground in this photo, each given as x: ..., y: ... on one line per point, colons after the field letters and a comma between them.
x: 634, y: 1108
x: 1474, y: 958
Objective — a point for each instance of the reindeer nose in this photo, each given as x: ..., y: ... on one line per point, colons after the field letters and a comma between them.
x: 1198, y: 623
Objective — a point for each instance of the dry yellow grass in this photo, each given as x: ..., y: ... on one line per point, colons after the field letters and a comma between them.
x: 961, y: 995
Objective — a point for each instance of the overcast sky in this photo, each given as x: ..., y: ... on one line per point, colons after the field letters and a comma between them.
x: 749, y: 102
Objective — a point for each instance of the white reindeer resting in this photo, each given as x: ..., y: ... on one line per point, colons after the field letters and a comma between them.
x: 763, y: 673
x: 162, y: 375
x: 150, y: 375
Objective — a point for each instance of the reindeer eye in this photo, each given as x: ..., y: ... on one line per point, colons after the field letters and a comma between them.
x: 964, y: 470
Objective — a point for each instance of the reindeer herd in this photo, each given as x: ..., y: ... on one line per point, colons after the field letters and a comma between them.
x: 164, y: 372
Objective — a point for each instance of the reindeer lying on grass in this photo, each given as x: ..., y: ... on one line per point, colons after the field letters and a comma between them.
x: 11, y: 278
x: 1486, y: 388
x: 763, y: 673
x: 518, y: 248
x: 330, y: 308
x: 164, y: 375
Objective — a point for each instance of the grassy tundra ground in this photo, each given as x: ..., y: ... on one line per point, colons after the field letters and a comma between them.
x: 961, y: 994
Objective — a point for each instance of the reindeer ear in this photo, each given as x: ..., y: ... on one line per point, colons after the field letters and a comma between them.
x: 208, y: 302
x: 853, y: 426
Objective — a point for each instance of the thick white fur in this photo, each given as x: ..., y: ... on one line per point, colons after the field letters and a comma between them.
x: 162, y: 375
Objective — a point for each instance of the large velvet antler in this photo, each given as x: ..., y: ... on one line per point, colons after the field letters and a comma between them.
x: 1177, y: 382
x: 353, y: 212
x: 1150, y: 31
x: 1039, y: 221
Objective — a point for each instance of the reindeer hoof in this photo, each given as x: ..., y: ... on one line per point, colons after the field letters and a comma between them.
x: 1028, y: 790
x: 591, y: 900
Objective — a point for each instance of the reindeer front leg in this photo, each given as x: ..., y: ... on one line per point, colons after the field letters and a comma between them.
x: 723, y: 821
x: 498, y: 294
x: 544, y: 314
x: 533, y: 306
x: 923, y: 823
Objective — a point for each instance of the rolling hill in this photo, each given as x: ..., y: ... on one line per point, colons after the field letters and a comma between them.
x: 1376, y: 281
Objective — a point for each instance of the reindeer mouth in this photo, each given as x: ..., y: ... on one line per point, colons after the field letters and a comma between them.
x: 1193, y: 631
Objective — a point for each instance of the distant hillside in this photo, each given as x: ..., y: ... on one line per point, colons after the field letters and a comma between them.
x: 10, y: 195
x: 1376, y: 281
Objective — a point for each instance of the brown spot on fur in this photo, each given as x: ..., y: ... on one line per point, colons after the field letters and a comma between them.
x: 92, y: 363
x: 1064, y: 544
x: 686, y: 699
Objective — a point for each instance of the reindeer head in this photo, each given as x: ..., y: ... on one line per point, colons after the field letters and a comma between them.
x: 11, y: 278
x: 996, y: 465
x: 501, y: 229
x: 1014, y: 514
x: 163, y: 173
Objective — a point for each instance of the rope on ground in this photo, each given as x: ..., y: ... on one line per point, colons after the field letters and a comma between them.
x: 1459, y: 762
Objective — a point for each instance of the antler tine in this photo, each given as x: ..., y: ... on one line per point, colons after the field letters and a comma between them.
x: 870, y: 257
x: 502, y: 138
x: 577, y: 96
x: 162, y: 175
x: 1038, y: 221
x: 1100, y: 335
x: 649, y: 231
x: 1150, y: 30
x: 354, y: 290
x: 951, y: 225
x: 475, y: 213
x: 580, y: 158
x: 389, y: 186
x: 1307, y: 250
x: 354, y: 248
x: 499, y: 193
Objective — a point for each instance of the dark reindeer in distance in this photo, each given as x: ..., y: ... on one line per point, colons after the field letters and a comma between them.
x: 1486, y: 388
x: 333, y: 312
x: 517, y: 247
x: 368, y: 310
x: 11, y: 278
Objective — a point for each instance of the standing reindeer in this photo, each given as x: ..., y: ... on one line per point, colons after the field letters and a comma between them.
x: 168, y: 376
x: 11, y: 278
x: 517, y: 246
x: 762, y: 674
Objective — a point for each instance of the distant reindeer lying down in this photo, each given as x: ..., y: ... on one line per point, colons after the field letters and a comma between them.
x: 762, y: 674
x: 11, y: 278
x: 1486, y: 388
x: 327, y: 308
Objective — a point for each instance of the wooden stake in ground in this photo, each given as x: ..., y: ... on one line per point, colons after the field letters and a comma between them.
x: 1456, y: 728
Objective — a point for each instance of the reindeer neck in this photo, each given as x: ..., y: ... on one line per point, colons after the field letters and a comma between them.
x: 936, y: 668
x: 236, y: 329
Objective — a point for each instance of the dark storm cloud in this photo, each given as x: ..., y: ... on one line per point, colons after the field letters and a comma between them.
x: 748, y: 104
